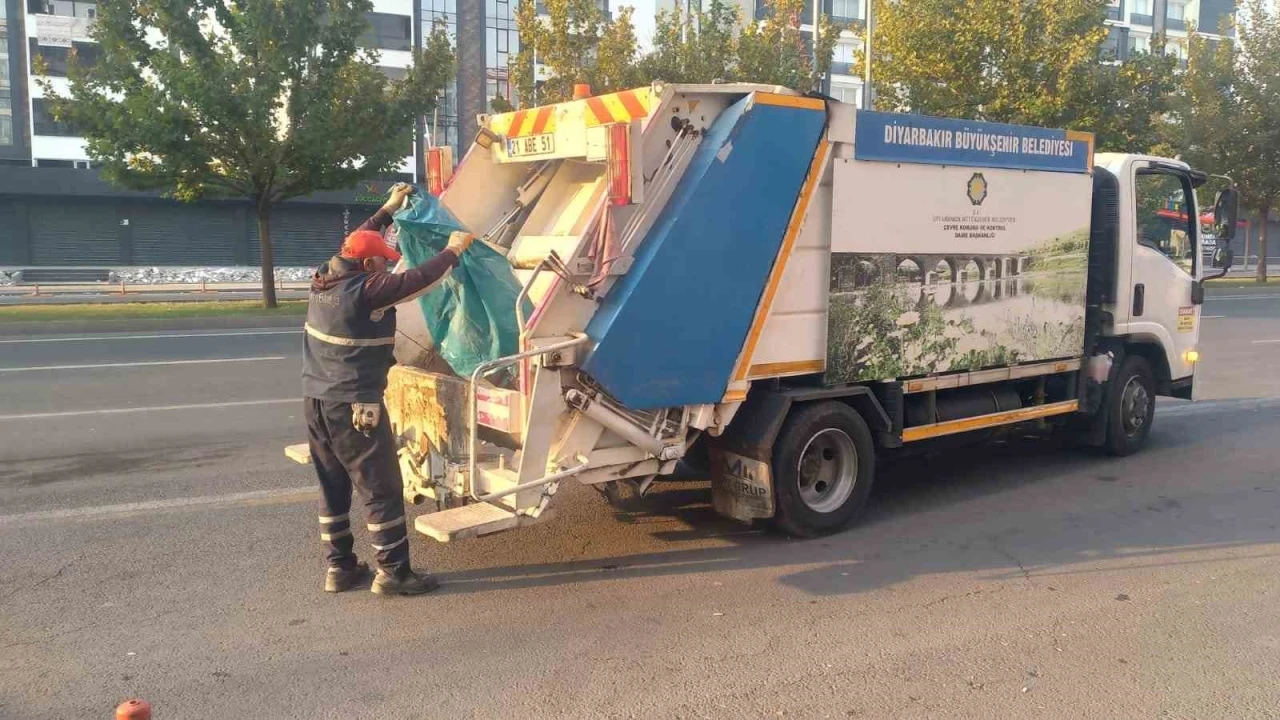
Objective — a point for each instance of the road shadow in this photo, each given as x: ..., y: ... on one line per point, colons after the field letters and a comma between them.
x: 1021, y: 509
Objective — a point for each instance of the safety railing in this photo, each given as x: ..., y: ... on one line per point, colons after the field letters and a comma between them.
x: 473, y: 438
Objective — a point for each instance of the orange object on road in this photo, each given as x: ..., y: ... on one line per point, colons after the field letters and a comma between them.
x: 581, y: 90
x: 133, y: 710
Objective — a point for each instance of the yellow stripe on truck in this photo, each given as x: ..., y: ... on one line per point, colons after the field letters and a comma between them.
x: 953, y: 427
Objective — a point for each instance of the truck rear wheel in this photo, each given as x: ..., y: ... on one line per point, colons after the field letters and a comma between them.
x: 1131, y: 408
x: 823, y: 467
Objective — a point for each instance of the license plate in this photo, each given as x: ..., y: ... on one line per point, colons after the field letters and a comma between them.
x: 531, y: 145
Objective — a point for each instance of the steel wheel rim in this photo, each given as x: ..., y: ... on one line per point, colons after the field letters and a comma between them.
x: 827, y: 470
x: 1135, y: 404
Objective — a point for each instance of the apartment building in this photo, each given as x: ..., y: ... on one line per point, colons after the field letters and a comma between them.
x: 1134, y: 23
x: 56, y: 211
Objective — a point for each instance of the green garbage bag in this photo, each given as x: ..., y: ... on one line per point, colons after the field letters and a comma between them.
x: 471, y: 314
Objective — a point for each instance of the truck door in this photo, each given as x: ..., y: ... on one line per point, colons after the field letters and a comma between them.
x: 1166, y: 264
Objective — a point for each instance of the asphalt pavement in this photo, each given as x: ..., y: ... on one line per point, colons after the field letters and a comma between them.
x: 159, y: 545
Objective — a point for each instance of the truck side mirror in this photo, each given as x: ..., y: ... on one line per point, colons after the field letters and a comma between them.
x: 1226, y: 209
x: 1223, y: 257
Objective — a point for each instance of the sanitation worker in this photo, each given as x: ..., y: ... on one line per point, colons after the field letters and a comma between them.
x: 350, y: 334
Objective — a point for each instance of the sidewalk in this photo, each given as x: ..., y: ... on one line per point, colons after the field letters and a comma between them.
x: 59, y: 294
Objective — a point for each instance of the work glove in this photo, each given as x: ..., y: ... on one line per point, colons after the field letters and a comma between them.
x: 459, y: 242
x: 399, y: 192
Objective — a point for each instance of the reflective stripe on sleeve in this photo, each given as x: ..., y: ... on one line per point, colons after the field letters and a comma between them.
x: 348, y: 342
x: 375, y: 527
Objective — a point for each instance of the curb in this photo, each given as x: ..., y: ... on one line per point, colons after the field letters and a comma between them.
x: 77, y: 327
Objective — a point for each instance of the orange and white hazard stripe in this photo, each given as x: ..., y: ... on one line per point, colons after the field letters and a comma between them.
x: 618, y: 107
x: 534, y: 121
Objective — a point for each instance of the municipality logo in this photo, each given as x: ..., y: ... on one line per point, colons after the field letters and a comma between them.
x: 977, y: 189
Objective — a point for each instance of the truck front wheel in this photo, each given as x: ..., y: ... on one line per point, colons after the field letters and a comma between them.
x: 1132, y: 407
x: 823, y: 467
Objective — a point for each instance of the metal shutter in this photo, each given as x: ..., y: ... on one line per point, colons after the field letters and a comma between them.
x: 8, y: 234
x: 74, y: 234
x: 184, y: 234
x: 300, y: 236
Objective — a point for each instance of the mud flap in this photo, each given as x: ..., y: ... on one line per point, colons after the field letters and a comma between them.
x: 741, y: 487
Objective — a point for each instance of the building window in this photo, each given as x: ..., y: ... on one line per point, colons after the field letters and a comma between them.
x: 66, y: 8
x: 1176, y: 17
x: 387, y: 32
x: 844, y: 11
x: 501, y: 43
x: 43, y: 122
x: 1142, y: 13
x: 57, y: 59
x: 442, y: 11
x: 442, y: 123
x: 6, y: 81
x: 1115, y: 47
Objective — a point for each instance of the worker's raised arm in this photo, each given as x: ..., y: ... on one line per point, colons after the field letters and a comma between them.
x: 381, y: 219
x: 386, y: 289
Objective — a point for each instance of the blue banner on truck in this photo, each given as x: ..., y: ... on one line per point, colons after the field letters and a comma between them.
x: 894, y: 137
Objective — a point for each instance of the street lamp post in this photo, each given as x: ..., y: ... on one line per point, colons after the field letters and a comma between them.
x: 866, y: 71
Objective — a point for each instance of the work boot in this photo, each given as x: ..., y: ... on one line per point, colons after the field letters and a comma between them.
x: 341, y: 579
x: 403, y: 582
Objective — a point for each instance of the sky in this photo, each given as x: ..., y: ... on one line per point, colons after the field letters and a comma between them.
x: 643, y: 17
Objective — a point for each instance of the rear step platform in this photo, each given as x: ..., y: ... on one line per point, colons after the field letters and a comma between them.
x: 300, y: 453
x: 467, y: 521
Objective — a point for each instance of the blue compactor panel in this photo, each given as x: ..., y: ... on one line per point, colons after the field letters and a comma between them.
x: 670, y: 331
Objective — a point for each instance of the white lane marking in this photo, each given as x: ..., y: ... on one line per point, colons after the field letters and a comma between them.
x: 1276, y: 296
x: 303, y: 493
x: 1211, y: 317
x: 149, y: 337
x: 1181, y: 407
x: 1265, y: 342
x: 153, y: 408
x: 141, y: 364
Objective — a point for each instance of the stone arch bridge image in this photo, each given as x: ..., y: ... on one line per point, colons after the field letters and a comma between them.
x: 940, y: 275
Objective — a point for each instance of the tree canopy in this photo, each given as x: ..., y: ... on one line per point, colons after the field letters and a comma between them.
x: 262, y: 99
x: 1229, y: 112
x: 1038, y: 62
x: 577, y: 42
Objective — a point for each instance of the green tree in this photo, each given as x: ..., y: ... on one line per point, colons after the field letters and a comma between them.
x: 1230, y: 112
x: 1038, y: 62
x: 576, y: 43
x: 773, y: 51
x: 1128, y: 105
x: 262, y: 99
x: 694, y: 46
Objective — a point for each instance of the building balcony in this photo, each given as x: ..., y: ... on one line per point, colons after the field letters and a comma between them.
x: 1140, y: 19
x: 1172, y: 24
x: 1113, y: 13
x: 842, y: 68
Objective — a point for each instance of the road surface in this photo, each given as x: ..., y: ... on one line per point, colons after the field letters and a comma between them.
x: 158, y: 545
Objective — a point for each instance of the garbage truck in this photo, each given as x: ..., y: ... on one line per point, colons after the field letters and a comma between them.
x: 780, y: 289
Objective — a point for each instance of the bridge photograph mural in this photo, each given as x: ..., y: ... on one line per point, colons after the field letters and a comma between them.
x: 902, y: 315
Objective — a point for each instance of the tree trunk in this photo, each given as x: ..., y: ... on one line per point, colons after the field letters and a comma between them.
x: 1262, y: 244
x: 268, y: 261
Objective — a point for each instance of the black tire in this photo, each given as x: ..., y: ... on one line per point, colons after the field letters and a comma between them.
x: 804, y: 506
x: 623, y: 495
x: 1131, y: 407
